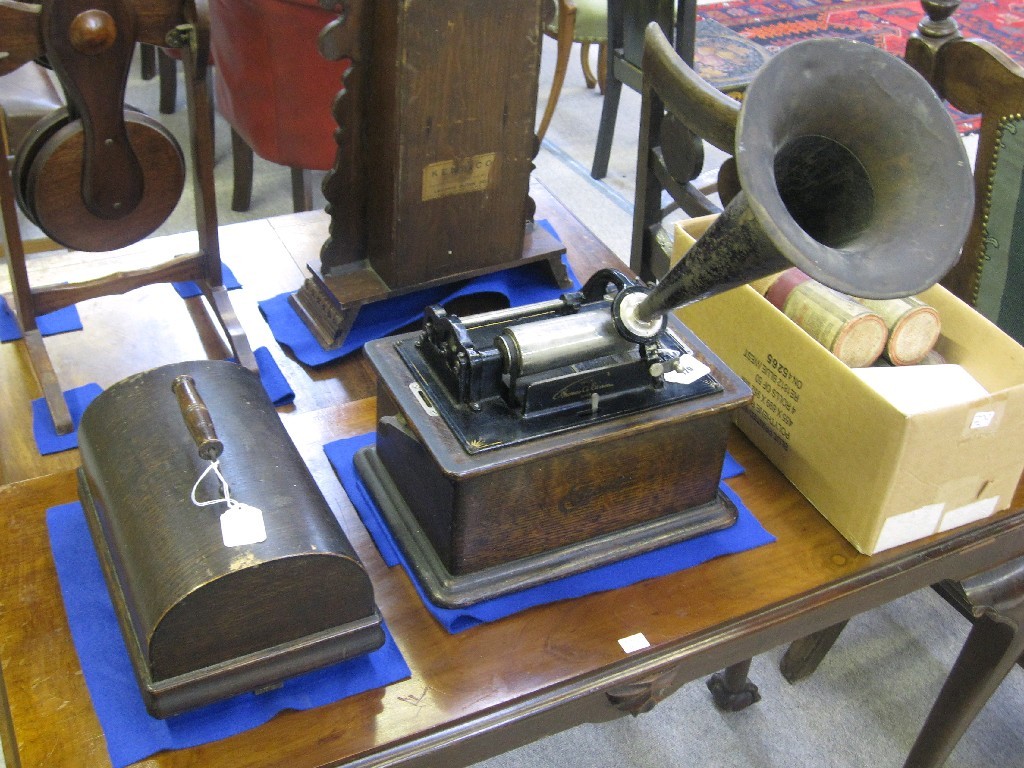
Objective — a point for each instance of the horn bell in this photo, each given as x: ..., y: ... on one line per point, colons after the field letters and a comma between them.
x: 854, y: 168
x: 850, y: 168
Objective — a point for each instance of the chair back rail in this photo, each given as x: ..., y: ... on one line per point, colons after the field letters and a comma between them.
x: 976, y: 77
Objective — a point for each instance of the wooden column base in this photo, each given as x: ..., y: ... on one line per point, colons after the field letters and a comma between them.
x: 329, y: 303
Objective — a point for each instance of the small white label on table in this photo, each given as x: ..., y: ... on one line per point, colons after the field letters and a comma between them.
x: 634, y: 643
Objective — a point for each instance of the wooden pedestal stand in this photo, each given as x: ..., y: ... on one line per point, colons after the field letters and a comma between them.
x: 435, y: 147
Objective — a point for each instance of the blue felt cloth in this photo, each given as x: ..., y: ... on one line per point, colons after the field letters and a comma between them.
x: 276, y: 385
x: 521, y: 285
x: 61, y: 321
x: 43, y: 429
x: 187, y: 289
x: 48, y: 441
x: 131, y: 734
x: 747, y: 533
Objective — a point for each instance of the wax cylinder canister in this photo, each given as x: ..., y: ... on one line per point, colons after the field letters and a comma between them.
x: 914, y: 327
x: 852, y: 332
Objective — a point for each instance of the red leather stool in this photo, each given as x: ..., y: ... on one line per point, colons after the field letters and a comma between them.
x: 274, y: 88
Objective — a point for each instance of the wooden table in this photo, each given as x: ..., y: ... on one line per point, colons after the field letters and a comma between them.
x: 473, y: 694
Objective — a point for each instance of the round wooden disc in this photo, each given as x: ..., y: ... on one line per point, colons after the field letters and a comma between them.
x: 36, y: 138
x: 53, y: 187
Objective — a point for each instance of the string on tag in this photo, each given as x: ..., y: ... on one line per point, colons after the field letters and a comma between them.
x: 240, y: 523
x: 214, y: 466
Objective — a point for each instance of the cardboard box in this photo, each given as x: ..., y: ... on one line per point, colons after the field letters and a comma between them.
x: 881, y: 476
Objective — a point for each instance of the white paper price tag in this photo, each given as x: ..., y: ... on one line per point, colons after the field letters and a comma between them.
x: 634, y: 643
x: 983, y: 419
x: 242, y: 525
x: 687, y: 370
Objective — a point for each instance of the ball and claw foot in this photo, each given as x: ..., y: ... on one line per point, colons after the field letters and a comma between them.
x: 730, y: 699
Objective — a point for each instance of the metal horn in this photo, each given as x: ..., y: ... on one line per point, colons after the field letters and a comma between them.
x: 850, y: 168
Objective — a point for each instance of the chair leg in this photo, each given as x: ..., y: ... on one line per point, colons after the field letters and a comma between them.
x: 302, y: 190
x: 566, y: 29
x: 241, y: 157
x: 147, y: 60
x: 168, y: 83
x: 993, y: 646
x: 647, y: 197
x: 602, y: 66
x: 588, y: 73
x: 606, y: 128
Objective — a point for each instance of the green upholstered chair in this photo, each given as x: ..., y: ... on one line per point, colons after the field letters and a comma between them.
x: 997, y: 290
x: 576, y: 21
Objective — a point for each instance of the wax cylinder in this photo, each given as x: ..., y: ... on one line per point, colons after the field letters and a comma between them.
x: 849, y: 330
x: 914, y: 327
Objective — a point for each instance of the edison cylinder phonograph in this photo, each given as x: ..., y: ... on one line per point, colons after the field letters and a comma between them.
x: 521, y: 445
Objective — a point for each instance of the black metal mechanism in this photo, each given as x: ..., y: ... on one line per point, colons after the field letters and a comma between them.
x: 503, y: 377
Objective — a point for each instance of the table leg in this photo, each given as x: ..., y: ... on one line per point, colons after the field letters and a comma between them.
x: 731, y: 689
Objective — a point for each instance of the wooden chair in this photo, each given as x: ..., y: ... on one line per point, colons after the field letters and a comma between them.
x: 692, y: 40
x: 95, y: 176
x: 275, y: 89
x: 976, y: 78
x: 679, y: 111
x: 670, y: 151
x: 576, y: 21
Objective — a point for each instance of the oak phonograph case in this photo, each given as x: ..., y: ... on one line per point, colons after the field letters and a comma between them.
x: 215, y: 597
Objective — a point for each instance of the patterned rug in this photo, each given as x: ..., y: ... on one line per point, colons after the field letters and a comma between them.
x: 778, y: 23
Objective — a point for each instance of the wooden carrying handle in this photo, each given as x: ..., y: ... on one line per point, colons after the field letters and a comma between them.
x: 197, y: 418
